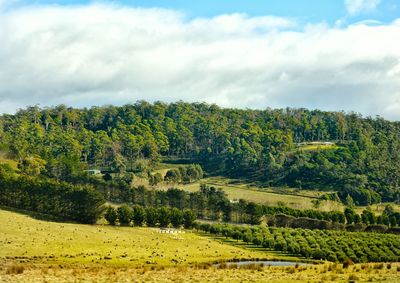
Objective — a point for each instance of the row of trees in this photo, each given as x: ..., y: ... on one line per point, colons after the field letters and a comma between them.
x: 335, y: 246
x: 213, y: 204
x: 239, y: 143
x: 79, y: 203
x: 150, y: 216
x: 282, y: 220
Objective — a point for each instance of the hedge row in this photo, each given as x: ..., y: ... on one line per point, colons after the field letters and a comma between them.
x: 150, y: 216
x: 59, y: 199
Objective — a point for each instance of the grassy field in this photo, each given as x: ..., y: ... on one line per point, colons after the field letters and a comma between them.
x: 40, y: 251
x: 313, y: 146
x: 29, y: 240
x: 317, y: 147
x: 378, y: 208
x: 268, y: 196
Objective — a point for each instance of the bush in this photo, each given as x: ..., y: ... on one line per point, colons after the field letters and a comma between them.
x: 151, y: 216
x: 125, y: 215
x: 172, y: 176
x: 188, y: 218
x: 164, y: 217
x: 111, y: 215
x: 138, y: 215
x: 176, y: 217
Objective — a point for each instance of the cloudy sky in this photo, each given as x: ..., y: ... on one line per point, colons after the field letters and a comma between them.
x: 331, y: 55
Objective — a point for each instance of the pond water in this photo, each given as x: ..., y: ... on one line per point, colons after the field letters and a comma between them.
x: 263, y: 262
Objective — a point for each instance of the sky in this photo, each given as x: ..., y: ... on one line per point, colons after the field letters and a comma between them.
x: 336, y: 55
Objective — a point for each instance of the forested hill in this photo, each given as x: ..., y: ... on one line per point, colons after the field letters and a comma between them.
x: 261, y: 145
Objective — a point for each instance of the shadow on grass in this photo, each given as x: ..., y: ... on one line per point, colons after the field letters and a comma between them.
x: 271, y: 254
x: 36, y: 215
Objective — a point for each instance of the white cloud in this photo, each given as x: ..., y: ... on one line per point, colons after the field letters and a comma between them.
x: 99, y: 54
x: 358, y: 6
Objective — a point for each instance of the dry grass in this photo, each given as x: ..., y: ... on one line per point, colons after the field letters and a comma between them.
x: 202, y: 273
x: 378, y: 208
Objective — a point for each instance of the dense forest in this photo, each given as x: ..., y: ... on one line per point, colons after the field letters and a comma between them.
x: 262, y: 145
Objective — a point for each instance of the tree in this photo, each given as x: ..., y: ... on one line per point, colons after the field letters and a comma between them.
x: 32, y: 165
x: 368, y: 217
x: 155, y: 179
x: 255, y: 212
x: 172, y: 176
x: 107, y: 177
x: 151, y: 216
x: 247, y: 236
x: 111, y: 215
x: 357, y: 219
x: 164, y: 217
x: 118, y: 164
x: 139, y: 215
x: 349, y: 201
x: 188, y: 218
x: 129, y: 178
x: 176, y: 217
x: 125, y: 215
x: 350, y: 215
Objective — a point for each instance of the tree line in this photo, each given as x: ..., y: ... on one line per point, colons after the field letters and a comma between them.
x: 211, y: 203
x: 150, y: 216
x: 256, y: 144
x: 80, y: 203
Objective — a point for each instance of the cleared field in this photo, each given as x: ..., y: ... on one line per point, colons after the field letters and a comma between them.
x: 240, y: 189
x: 317, y: 147
x: 262, y: 196
x: 291, y: 197
x: 29, y: 240
x: 378, y: 208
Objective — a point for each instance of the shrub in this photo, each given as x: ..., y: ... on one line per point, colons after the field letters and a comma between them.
x: 138, y: 215
x: 125, y: 215
x: 111, y: 215
x: 176, y: 217
x: 188, y: 218
x: 172, y: 176
x: 151, y: 216
x: 164, y: 217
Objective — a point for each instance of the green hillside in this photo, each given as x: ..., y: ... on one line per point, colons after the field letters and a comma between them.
x: 295, y: 148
